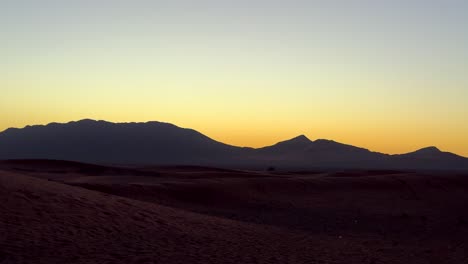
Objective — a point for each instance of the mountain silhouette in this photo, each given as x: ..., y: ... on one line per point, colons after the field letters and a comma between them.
x: 302, y: 152
x: 100, y: 141
x: 430, y: 158
x: 295, y: 145
x: 159, y: 143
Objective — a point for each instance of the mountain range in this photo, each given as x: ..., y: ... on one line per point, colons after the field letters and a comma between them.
x: 157, y: 143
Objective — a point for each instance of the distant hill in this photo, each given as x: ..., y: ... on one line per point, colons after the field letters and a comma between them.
x: 159, y: 143
x: 105, y: 142
x: 319, y: 152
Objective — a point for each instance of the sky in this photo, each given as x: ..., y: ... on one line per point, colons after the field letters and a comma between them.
x: 390, y: 76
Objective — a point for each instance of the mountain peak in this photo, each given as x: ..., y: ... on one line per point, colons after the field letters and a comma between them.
x: 429, y: 150
x: 88, y: 121
x: 300, y: 138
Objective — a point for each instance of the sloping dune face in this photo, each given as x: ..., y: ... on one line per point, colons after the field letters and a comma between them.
x: 356, y: 217
x: 46, y: 222
x: 203, y: 215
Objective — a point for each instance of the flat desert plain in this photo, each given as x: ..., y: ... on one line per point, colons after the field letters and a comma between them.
x: 66, y: 212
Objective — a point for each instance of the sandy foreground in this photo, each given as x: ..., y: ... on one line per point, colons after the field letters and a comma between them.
x: 63, y: 212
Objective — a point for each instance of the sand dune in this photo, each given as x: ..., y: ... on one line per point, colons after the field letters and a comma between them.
x: 189, y: 215
x: 46, y: 222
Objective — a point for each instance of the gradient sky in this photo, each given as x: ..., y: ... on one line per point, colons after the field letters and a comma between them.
x: 391, y: 76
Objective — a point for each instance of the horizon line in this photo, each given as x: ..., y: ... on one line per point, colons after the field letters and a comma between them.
x: 168, y: 123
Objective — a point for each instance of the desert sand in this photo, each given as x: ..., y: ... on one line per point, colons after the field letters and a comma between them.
x: 65, y: 212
